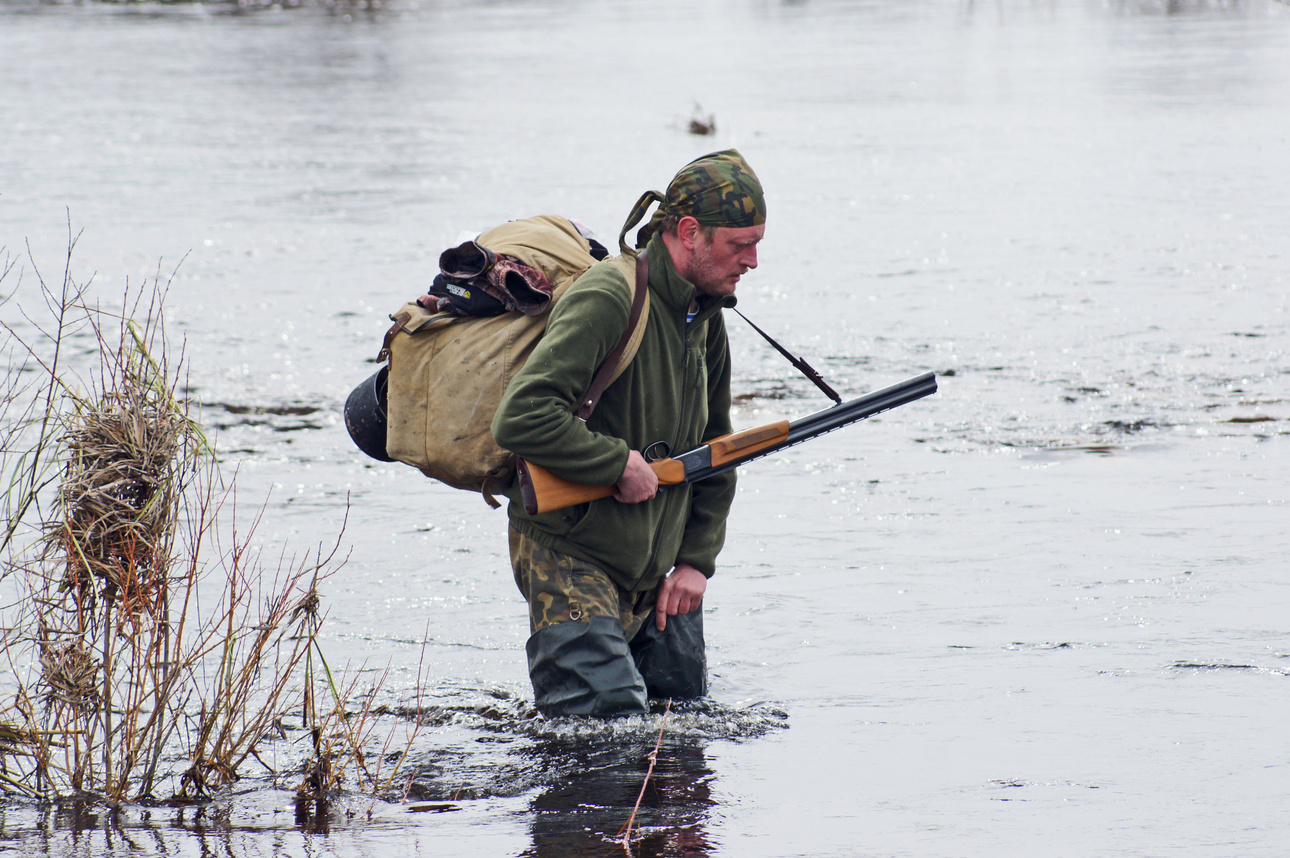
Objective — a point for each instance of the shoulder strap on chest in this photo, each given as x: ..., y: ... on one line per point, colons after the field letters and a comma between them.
x: 622, y: 354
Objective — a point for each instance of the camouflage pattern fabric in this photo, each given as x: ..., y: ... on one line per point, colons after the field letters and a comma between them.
x: 563, y: 589
x: 719, y: 189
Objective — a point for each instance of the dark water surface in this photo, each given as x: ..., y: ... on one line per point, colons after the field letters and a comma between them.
x: 1041, y: 613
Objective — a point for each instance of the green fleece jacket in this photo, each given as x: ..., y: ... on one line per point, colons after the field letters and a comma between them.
x: 677, y: 389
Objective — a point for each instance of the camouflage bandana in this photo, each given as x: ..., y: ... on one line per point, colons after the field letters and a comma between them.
x: 719, y: 189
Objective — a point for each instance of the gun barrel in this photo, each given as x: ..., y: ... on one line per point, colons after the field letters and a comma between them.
x: 858, y: 409
x: 543, y: 491
x: 836, y: 417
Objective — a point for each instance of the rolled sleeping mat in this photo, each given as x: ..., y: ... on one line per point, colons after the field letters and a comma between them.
x: 365, y: 415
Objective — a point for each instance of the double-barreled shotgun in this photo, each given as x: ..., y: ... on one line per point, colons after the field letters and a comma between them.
x: 543, y: 491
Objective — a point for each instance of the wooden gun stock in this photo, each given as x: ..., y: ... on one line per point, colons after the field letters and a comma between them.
x: 543, y: 491
x: 740, y: 445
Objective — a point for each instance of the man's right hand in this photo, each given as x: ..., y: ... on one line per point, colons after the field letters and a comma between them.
x: 638, y: 482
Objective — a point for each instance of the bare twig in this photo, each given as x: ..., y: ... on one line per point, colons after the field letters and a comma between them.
x: 626, y: 830
x: 111, y: 657
x: 357, y: 731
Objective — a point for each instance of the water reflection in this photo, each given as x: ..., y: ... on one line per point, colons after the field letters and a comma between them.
x: 84, y: 827
x: 1179, y: 7
x: 584, y: 812
x: 1138, y: 7
x: 578, y: 779
x: 582, y: 793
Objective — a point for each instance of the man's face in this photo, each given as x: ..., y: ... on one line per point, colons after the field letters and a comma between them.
x: 715, y: 266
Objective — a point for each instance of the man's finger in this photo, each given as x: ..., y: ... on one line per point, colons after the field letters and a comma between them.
x: 660, y: 605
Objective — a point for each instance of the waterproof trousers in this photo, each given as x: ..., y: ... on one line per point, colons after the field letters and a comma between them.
x: 594, y: 649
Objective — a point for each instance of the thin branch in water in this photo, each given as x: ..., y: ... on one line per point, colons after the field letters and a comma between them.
x: 626, y: 830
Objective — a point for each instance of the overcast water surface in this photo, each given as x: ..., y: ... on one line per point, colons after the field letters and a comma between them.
x: 1042, y: 613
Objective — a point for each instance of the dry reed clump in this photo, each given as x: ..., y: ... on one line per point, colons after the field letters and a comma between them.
x: 70, y: 674
x: 122, y: 689
x: 121, y: 494
x: 102, y: 593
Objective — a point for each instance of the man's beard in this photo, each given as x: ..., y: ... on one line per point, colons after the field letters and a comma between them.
x: 702, y: 272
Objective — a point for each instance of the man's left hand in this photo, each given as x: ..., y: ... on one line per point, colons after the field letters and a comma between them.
x: 680, y: 593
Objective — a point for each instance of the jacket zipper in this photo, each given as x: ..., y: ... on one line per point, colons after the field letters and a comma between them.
x: 686, y: 415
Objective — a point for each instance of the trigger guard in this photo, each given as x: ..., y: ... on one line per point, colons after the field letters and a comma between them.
x: 657, y: 451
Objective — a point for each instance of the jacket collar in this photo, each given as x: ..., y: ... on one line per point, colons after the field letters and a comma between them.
x: 673, y: 289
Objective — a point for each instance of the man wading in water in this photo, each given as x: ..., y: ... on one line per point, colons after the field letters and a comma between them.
x: 615, y: 587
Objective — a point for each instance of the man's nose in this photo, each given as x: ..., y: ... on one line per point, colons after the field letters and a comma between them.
x: 749, y: 257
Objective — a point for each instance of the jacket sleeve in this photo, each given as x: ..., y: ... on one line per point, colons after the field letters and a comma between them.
x: 705, y: 531
x: 536, y: 418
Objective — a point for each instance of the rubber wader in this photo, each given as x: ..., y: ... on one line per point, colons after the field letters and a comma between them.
x: 672, y: 662
x: 589, y: 668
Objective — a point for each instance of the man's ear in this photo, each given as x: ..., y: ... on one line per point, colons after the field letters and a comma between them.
x: 688, y: 231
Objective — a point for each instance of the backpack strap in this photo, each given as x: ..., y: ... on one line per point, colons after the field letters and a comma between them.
x: 401, y: 319
x: 622, y: 353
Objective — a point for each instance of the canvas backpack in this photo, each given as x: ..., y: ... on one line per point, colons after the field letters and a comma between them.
x: 447, y: 373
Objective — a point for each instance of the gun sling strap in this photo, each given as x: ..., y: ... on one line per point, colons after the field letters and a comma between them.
x: 606, y: 373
